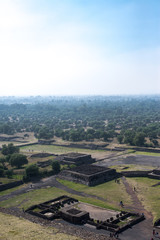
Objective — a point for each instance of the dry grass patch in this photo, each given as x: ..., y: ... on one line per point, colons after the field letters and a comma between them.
x: 148, y: 153
x: 55, y: 149
x: 15, y: 228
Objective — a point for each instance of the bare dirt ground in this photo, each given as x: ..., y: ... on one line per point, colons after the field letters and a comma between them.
x: 117, y: 159
x: 97, y: 212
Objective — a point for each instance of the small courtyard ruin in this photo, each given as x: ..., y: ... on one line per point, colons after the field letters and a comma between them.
x: 73, y: 211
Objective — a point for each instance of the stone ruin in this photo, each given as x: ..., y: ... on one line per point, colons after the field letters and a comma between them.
x: 66, y: 208
x: 89, y: 175
x: 61, y: 207
x: 44, y: 164
x: 155, y: 173
x: 75, y: 158
x: 41, y: 155
x: 74, y: 215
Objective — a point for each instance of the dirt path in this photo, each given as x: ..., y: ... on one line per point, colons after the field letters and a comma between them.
x: 47, y: 182
x: 144, y: 229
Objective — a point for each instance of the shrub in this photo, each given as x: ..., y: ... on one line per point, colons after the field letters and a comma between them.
x: 9, y: 173
x: 56, y: 167
x: 1, y: 172
x: 32, y: 171
x: 18, y: 160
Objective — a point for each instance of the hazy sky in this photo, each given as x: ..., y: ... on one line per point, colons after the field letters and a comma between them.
x: 70, y: 47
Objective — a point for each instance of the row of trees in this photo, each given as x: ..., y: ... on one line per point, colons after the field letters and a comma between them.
x: 132, y: 138
x: 77, y: 119
x: 12, y: 156
x: 80, y: 134
x: 32, y: 170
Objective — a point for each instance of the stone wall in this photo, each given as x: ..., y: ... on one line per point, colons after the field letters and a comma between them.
x: 89, y: 180
x: 10, y: 185
x: 135, y: 173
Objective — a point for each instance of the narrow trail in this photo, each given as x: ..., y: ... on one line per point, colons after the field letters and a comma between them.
x: 145, y: 228
x: 137, y: 205
x: 47, y: 182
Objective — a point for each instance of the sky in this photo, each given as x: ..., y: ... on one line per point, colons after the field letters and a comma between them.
x: 79, y: 47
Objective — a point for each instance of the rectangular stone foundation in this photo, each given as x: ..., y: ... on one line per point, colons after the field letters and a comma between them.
x: 74, y: 215
x: 89, y: 175
x: 75, y: 158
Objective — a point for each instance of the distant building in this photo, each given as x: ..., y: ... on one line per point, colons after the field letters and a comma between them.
x: 75, y: 158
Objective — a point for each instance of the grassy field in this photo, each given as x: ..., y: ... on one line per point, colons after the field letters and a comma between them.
x: 32, y: 197
x: 148, y: 195
x: 10, y: 190
x: 18, y: 228
x: 112, y: 192
x: 55, y: 149
x: 6, y: 180
x: 132, y: 167
x: 148, y: 153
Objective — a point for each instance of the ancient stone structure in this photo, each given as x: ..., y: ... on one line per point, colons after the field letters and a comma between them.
x: 136, y: 173
x: 75, y: 158
x: 66, y: 208
x: 74, y: 215
x: 41, y: 155
x: 44, y: 163
x: 61, y: 207
x: 45, y: 142
x: 89, y: 175
x: 155, y: 174
x: 10, y: 185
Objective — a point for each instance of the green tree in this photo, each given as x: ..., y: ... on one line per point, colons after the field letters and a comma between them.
x: 10, y: 149
x: 73, y: 135
x: 1, y: 171
x: 45, y: 133
x: 32, y: 170
x: 105, y: 136
x: 139, y: 139
x: 120, y: 138
x: 129, y: 137
x: 2, y: 161
x: 9, y: 173
x: 18, y: 160
x: 56, y: 167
